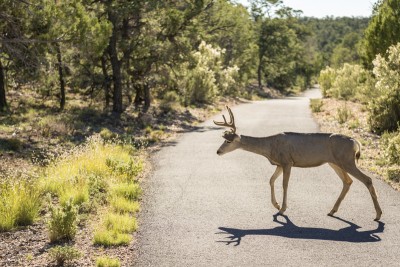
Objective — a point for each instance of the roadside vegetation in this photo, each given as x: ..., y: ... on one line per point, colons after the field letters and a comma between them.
x: 374, y: 89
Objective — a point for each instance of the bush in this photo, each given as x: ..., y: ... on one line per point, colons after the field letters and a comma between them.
x: 63, y: 254
x: 393, y: 173
x: 205, y: 77
x: 62, y: 223
x: 391, y: 144
x: 349, y: 82
x: 343, y: 114
x: 326, y: 79
x: 107, y: 135
x: 169, y: 101
x: 316, y: 105
x: 107, y: 262
x: 20, y: 204
x: 385, y: 109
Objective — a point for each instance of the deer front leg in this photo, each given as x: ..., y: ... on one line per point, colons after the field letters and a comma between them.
x: 286, y: 176
x: 347, y: 181
x: 274, y: 176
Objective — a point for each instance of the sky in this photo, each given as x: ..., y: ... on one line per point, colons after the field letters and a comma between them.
x: 336, y: 8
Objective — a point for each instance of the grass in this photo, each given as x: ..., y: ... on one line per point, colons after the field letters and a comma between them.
x: 105, y: 261
x: 122, y: 223
x: 20, y: 204
x: 109, y: 238
x: 131, y: 191
x: 121, y: 204
x: 316, y: 104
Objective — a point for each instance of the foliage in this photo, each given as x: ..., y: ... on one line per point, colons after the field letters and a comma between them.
x: 391, y: 144
x: 326, y: 79
x: 385, y: 109
x: 20, y: 203
x: 343, y: 114
x: 383, y: 30
x: 206, y: 78
x: 62, y: 223
x: 64, y: 254
x: 350, y: 82
x: 393, y: 173
x: 316, y: 104
x: 105, y: 261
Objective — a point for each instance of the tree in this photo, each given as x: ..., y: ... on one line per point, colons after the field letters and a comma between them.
x: 383, y: 30
x: 65, y: 25
x: 14, y: 46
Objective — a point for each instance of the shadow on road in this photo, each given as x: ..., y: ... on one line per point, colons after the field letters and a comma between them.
x: 290, y: 230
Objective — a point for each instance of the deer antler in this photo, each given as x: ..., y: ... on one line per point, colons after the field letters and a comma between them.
x: 231, y: 124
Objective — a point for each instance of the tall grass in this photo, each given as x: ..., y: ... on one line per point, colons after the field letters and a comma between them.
x: 20, y: 204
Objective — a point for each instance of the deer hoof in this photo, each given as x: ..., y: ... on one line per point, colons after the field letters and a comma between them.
x: 378, y: 217
x: 281, y: 211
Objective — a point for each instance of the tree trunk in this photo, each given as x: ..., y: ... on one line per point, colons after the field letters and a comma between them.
x: 106, y: 81
x: 3, y: 101
x: 61, y: 76
x: 259, y: 73
x: 138, y: 97
x: 115, y: 65
x: 146, y: 97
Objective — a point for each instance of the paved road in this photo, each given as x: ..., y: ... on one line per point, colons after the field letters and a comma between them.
x: 204, y: 210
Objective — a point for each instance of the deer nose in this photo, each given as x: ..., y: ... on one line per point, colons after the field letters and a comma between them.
x: 218, y: 152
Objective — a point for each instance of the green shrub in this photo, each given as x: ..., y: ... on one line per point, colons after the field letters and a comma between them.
x: 391, y: 145
x: 64, y: 254
x: 393, y: 173
x: 169, y: 101
x: 20, y: 204
x: 316, y: 105
x: 105, y: 261
x: 343, y: 114
x: 326, y: 79
x: 385, y: 109
x: 107, y: 135
x: 62, y: 223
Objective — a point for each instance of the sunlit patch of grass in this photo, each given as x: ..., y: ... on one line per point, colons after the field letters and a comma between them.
x: 108, y: 238
x: 121, y: 204
x: 71, y: 172
x: 122, y: 223
x: 20, y: 204
x: 131, y: 191
x: 105, y: 261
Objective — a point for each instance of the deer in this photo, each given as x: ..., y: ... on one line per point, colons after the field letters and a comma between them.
x: 290, y: 149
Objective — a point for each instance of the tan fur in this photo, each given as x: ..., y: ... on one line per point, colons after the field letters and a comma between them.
x: 287, y: 150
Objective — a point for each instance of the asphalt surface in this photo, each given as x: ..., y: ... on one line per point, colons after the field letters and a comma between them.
x: 204, y: 210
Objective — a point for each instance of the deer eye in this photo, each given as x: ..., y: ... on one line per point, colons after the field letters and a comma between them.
x: 226, y: 141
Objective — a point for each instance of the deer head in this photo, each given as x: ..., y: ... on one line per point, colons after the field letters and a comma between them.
x: 232, y: 140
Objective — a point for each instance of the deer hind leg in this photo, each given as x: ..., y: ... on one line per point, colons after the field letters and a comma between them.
x: 347, y: 181
x: 286, y: 176
x: 274, y: 176
x: 356, y: 173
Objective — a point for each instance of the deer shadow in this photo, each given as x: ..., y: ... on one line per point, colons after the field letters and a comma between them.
x: 289, y: 230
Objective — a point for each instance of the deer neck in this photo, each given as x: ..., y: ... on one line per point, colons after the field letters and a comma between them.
x: 258, y: 145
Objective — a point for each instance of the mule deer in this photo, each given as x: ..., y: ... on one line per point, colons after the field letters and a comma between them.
x: 287, y: 150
